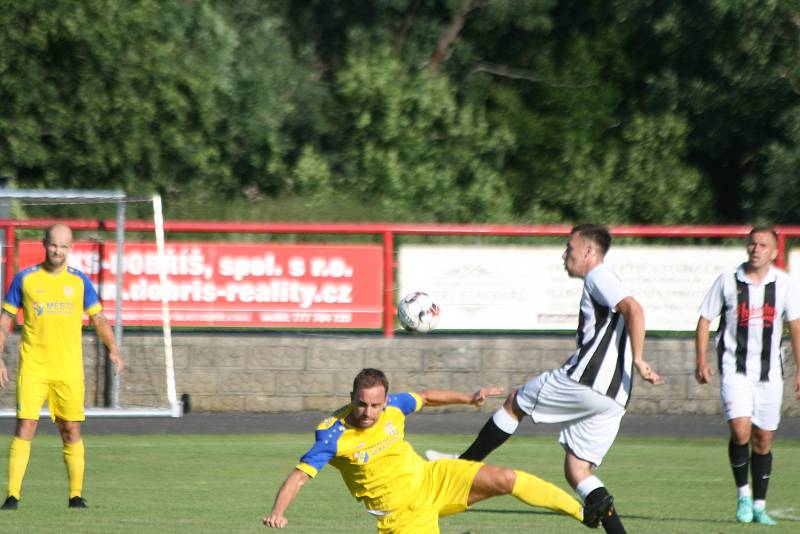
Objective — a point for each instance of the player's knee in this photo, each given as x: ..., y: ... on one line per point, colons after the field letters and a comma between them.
x: 742, y: 437
x: 506, y: 478
x: 492, y: 481
x: 26, y: 428
x: 511, y: 405
x: 762, y: 442
x: 70, y: 431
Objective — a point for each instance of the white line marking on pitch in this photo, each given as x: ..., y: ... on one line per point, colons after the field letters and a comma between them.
x: 785, y: 513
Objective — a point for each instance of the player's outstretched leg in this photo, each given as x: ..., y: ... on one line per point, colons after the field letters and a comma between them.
x: 494, y: 433
x: 492, y: 481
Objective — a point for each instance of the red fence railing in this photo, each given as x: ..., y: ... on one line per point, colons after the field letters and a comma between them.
x: 387, y: 231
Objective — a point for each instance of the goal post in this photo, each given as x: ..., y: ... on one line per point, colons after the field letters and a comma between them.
x: 114, y: 408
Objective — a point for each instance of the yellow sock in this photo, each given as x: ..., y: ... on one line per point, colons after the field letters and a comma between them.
x: 18, y: 455
x: 73, y: 458
x: 537, y: 492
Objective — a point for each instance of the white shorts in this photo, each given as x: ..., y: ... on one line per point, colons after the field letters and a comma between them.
x: 748, y: 397
x: 589, y: 420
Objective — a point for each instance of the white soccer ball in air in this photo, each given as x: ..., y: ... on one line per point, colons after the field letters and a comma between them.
x: 417, y: 312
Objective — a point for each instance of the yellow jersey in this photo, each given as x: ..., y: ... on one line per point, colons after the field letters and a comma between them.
x: 379, y: 467
x: 53, y: 305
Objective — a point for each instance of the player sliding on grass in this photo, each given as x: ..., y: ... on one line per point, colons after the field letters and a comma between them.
x: 365, y: 442
x: 587, y: 395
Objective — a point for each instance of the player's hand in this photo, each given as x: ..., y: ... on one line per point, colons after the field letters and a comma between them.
x: 703, y: 374
x: 480, y: 396
x: 647, y: 373
x: 3, y: 375
x: 116, y: 359
x: 275, y: 521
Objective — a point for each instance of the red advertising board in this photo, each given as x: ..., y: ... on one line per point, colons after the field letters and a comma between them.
x: 222, y: 284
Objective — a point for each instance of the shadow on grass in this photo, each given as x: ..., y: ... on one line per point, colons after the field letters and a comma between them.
x: 624, y: 517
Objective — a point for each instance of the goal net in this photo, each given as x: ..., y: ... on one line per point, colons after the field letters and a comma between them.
x: 107, y: 255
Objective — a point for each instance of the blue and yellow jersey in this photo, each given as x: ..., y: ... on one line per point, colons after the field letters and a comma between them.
x: 53, y: 305
x: 379, y: 466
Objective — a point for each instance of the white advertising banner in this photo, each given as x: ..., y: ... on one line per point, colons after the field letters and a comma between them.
x: 793, y: 263
x: 526, y: 288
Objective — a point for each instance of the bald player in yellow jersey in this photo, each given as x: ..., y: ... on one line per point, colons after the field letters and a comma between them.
x: 365, y: 441
x: 53, y: 299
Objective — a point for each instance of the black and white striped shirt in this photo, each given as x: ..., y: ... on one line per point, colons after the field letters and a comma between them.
x: 603, y: 359
x: 751, y: 322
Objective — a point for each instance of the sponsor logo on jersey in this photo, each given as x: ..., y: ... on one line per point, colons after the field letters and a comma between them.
x: 745, y: 313
x: 54, y: 308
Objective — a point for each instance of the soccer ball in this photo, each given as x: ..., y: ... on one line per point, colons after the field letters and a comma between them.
x: 417, y: 312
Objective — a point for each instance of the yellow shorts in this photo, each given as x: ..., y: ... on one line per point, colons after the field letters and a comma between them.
x: 444, y: 491
x: 65, y: 398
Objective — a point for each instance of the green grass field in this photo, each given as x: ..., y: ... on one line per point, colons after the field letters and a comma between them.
x: 226, y: 484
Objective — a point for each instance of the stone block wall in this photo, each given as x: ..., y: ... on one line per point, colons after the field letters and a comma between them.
x: 267, y: 372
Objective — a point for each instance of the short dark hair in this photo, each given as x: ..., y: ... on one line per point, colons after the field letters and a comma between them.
x: 596, y: 233
x: 764, y: 229
x: 370, y: 377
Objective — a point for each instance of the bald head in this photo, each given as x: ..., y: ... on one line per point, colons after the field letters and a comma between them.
x: 57, y: 245
x: 58, y: 231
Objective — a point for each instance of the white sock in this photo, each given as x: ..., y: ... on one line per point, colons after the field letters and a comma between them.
x: 588, y: 485
x: 743, y: 491
x: 504, y: 421
x: 761, y: 504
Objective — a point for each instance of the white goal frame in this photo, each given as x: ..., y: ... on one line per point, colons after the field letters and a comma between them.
x: 175, y: 407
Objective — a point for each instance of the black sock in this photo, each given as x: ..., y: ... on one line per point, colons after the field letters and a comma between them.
x: 760, y: 468
x: 489, y: 438
x: 611, y: 522
x: 739, y: 463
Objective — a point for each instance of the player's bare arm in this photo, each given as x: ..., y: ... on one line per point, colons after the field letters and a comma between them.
x: 289, y: 490
x: 794, y: 330
x: 633, y: 314
x: 702, y: 372
x: 6, y: 325
x: 443, y: 397
x: 106, y: 335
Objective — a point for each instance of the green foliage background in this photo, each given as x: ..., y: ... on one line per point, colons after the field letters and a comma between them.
x: 519, y: 111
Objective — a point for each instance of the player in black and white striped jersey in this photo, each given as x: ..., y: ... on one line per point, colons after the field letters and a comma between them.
x: 589, y: 393
x: 752, y: 302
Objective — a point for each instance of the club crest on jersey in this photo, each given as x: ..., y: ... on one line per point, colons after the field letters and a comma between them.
x: 68, y: 291
x: 360, y: 457
x: 38, y: 308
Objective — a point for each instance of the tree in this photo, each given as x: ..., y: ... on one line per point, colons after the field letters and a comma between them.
x: 730, y: 68
x: 410, y: 146
x: 103, y: 93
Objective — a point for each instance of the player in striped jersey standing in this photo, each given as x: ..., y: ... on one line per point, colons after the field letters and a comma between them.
x: 587, y: 396
x: 752, y: 302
